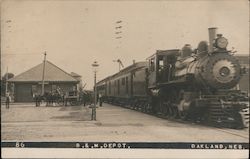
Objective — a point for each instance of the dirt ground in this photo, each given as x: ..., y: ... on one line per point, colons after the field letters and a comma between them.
x: 25, y: 122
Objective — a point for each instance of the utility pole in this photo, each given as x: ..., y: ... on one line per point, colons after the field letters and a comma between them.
x: 118, y: 32
x: 44, y: 61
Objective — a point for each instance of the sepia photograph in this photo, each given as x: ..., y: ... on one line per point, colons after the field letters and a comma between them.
x: 157, y: 75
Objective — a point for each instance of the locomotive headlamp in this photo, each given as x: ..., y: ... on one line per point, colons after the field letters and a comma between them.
x: 221, y: 42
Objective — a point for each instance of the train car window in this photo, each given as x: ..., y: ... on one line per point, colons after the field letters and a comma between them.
x: 118, y: 87
x: 105, y: 88
x: 123, y: 81
x: 126, y: 85
x: 109, y: 87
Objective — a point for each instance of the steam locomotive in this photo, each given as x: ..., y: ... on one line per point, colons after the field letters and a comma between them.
x: 191, y: 84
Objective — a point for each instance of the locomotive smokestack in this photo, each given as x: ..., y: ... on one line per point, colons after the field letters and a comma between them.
x: 212, y: 36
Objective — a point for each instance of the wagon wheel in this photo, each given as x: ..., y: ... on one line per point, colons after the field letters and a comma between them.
x: 173, y: 111
x: 60, y: 102
x: 73, y: 102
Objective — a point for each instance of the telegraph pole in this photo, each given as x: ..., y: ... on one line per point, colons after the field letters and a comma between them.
x: 118, y: 32
x: 43, y: 72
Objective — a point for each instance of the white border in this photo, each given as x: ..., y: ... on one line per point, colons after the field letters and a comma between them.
x: 121, y: 153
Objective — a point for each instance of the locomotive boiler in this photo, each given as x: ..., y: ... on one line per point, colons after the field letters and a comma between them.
x: 216, y: 68
x: 193, y: 84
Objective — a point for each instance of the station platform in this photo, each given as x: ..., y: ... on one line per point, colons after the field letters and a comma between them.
x: 114, y: 123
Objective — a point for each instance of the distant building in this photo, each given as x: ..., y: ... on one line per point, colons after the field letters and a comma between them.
x: 78, y: 78
x: 244, y: 82
x: 30, y: 81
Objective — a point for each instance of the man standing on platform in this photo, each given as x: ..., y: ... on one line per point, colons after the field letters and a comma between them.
x: 100, y: 100
x: 7, y: 100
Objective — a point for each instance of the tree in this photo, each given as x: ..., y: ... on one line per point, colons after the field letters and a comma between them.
x: 3, y: 82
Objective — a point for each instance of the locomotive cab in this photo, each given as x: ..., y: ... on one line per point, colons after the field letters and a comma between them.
x: 161, y: 67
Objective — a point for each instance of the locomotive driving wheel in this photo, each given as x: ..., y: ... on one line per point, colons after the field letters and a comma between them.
x: 165, y: 108
x: 154, y: 103
x: 175, y: 112
x: 182, y: 114
x: 172, y: 111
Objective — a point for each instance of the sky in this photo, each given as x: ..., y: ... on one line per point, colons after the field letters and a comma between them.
x: 74, y: 34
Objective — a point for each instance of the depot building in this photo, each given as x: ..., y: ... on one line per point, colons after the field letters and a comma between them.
x: 30, y: 81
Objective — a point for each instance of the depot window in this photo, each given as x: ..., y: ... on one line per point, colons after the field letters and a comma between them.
x: 34, y: 88
x: 53, y: 87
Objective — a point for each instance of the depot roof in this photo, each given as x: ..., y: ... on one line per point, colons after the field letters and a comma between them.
x: 52, y: 73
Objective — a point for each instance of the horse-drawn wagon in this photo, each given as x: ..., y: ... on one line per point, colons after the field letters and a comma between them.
x: 73, y: 98
x: 60, y: 98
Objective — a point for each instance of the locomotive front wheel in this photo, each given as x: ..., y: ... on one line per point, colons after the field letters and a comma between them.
x: 171, y: 112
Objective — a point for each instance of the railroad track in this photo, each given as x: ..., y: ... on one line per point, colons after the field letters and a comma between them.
x: 234, y: 132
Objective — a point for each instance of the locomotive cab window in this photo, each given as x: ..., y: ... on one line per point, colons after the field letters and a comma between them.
x: 160, y: 62
x: 160, y: 68
x: 152, y: 64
